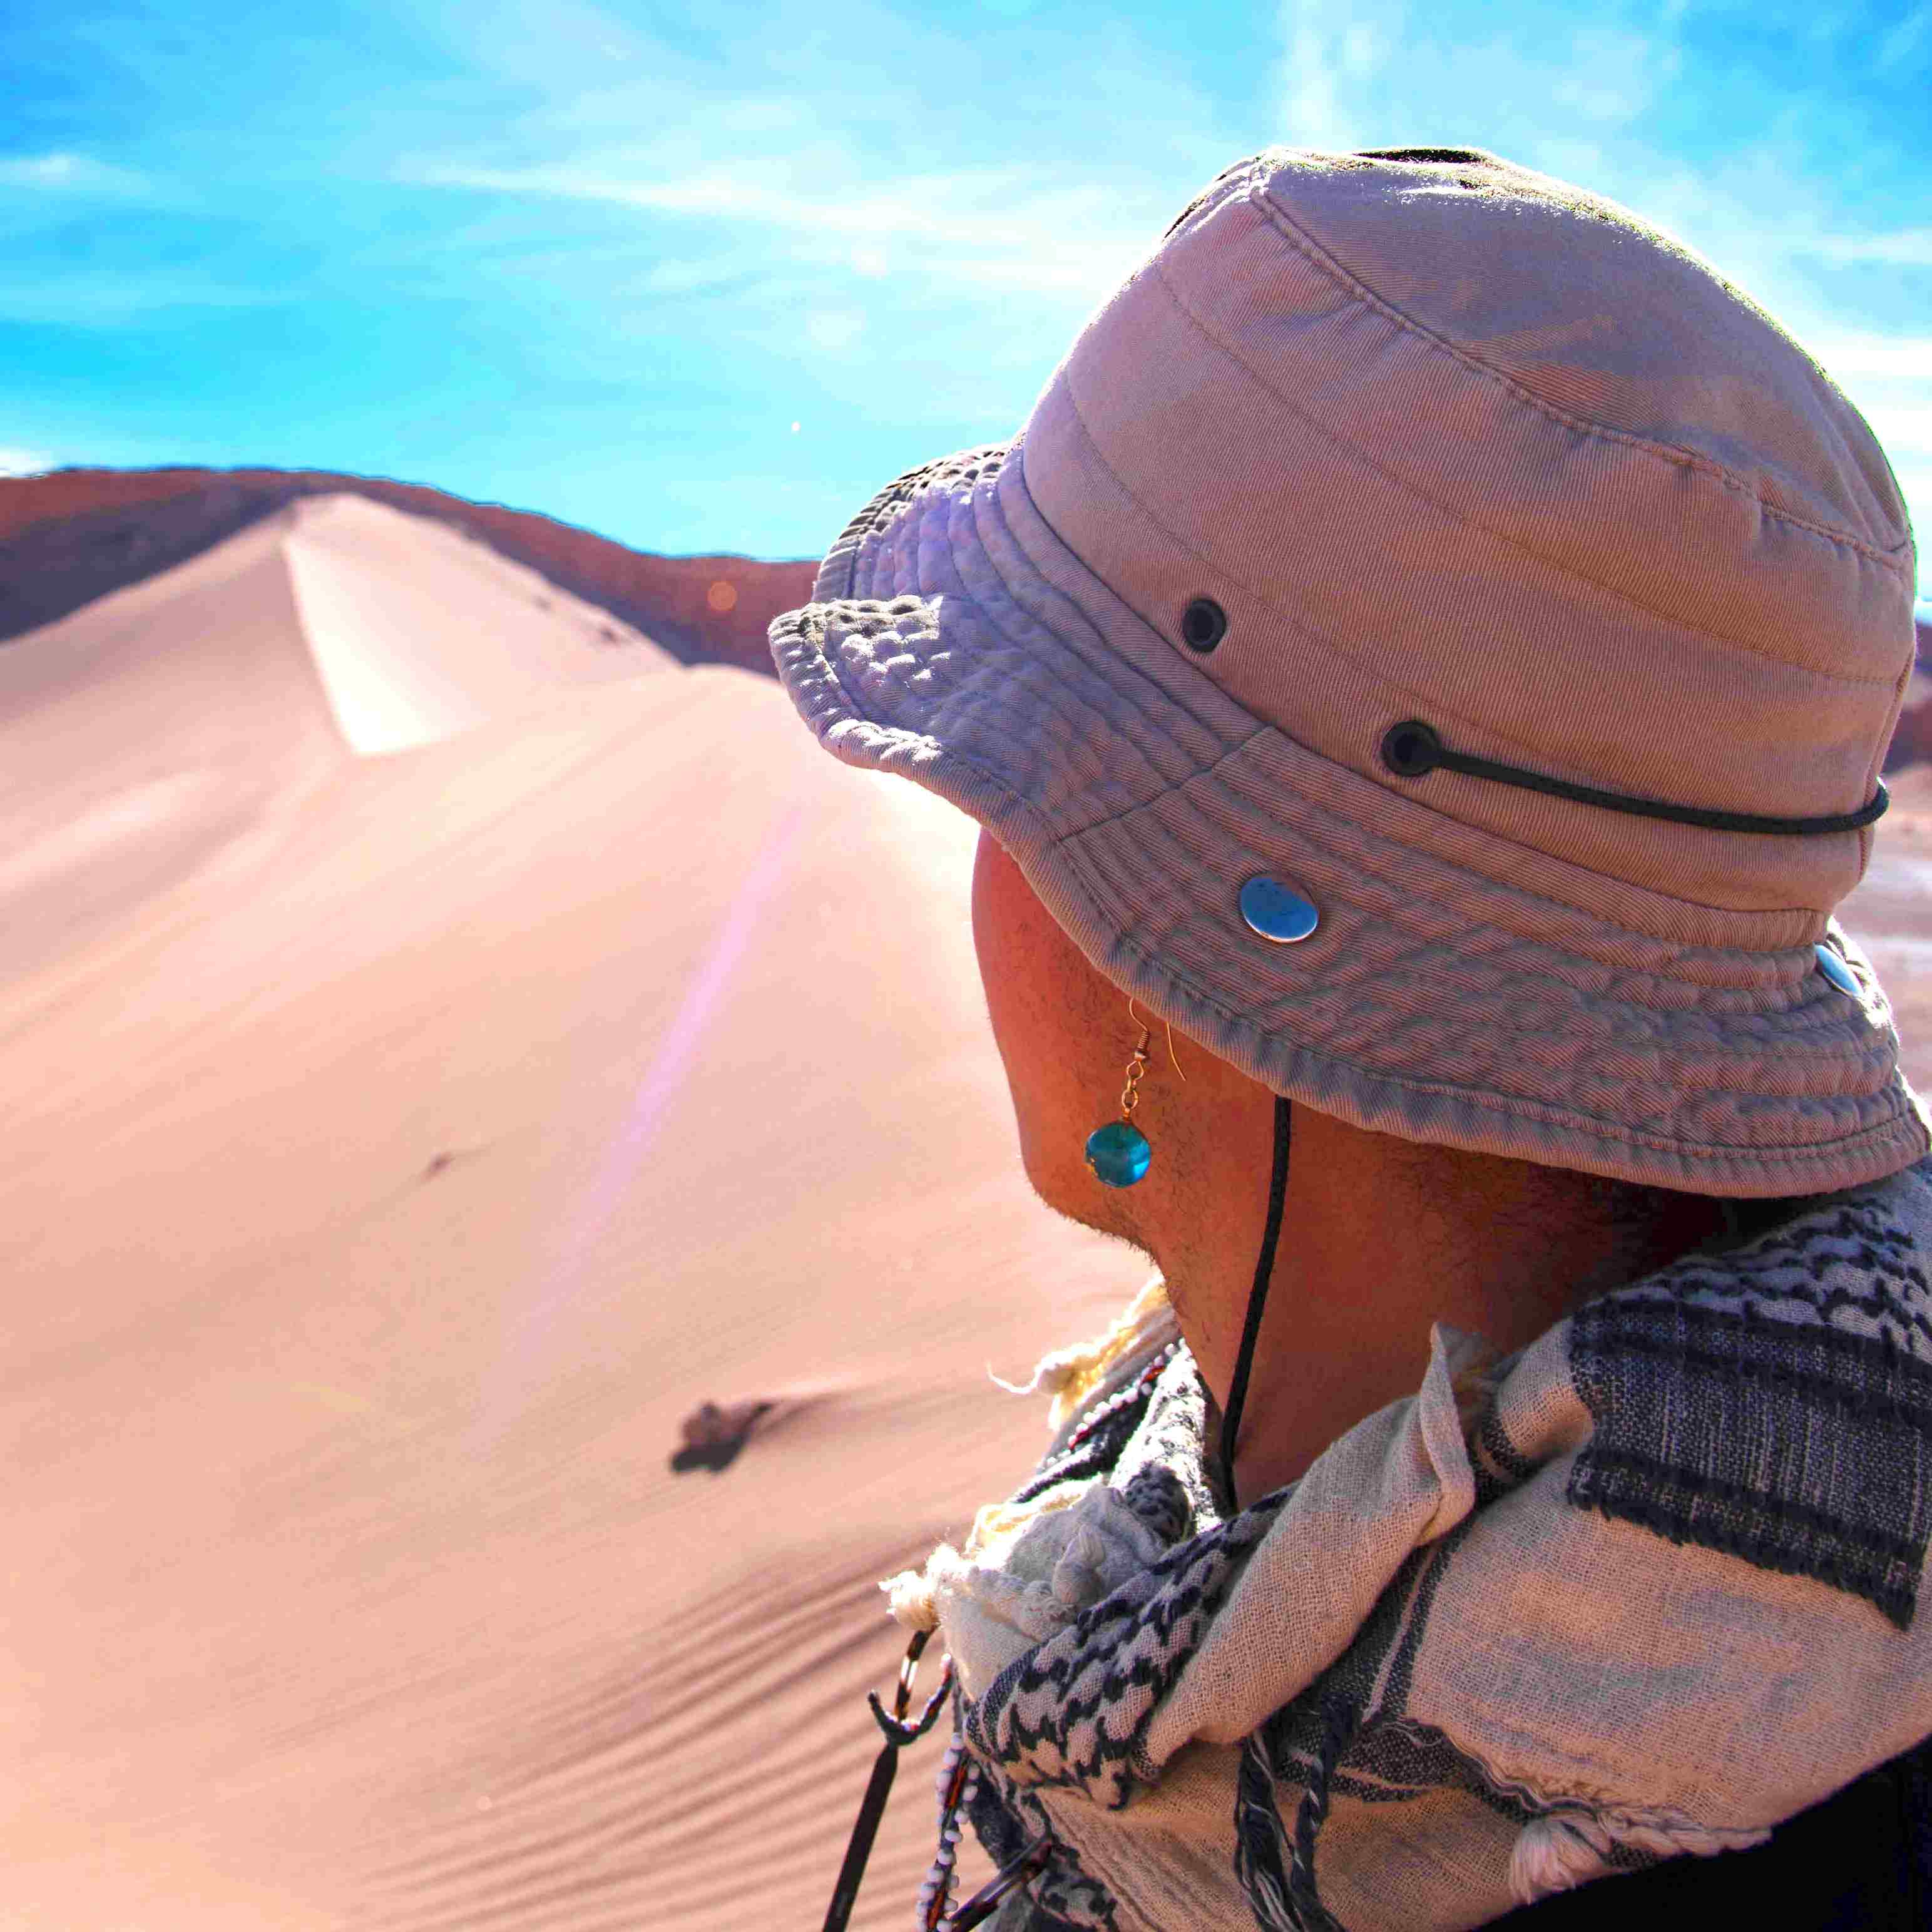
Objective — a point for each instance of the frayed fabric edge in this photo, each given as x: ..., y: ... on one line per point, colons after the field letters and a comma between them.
x: 1568, y: 1847
x: 1072, y: 1374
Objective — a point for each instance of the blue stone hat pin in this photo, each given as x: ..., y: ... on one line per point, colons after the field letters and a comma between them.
x: 1119, y: 1154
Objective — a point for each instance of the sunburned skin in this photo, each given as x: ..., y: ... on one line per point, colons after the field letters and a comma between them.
x: 1381, y: 1236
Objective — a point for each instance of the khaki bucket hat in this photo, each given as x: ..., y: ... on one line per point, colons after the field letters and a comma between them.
x: 1435, y: 641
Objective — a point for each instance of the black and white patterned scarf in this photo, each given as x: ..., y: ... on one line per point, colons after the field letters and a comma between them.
x: 1647, y: 1589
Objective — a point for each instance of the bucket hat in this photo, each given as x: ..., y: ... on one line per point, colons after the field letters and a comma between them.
x: 1434, y: 640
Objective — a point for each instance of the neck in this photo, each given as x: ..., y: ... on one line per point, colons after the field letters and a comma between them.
x: 1379, y: 1241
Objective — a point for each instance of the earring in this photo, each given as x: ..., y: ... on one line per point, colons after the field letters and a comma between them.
x: 1119, y: 1154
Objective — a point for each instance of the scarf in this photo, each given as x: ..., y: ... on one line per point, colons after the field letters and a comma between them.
x: 1645, y: 1588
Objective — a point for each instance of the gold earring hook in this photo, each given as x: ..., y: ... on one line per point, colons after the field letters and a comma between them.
x: 1147, y: 1034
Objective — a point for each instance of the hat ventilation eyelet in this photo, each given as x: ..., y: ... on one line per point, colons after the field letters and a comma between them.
x: 1203, y: 624
x: 1411, y: 749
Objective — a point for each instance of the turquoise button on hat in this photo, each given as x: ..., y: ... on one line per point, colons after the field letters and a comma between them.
x: 1835, y: 970
x: 1277, y: 911
x: 1118, y: 1153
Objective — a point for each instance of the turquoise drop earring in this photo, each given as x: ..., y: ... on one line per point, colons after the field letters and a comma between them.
x: 1119, y: 1153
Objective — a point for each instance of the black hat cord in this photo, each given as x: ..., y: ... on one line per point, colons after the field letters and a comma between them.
x: 1237, y: 1390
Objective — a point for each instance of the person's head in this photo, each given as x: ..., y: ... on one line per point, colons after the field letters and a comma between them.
x: 1432, y: 644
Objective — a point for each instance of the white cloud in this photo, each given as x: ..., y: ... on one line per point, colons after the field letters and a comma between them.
x: 1610, y: 78
x: 1906, y: 358
x: 68, y: 174
x: 1904, y: 424
x: 817, y: 167
x: 24, y: 462
x: 992, y: 226
x: 1377, y: 76
x: 1322, y: 63
x: 678, y: 278
x: 1906, y: 248
x: 834, y: 329
x: 1906, y: 38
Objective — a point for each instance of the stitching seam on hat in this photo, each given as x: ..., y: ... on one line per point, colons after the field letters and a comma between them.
x: 1098, y: 666
x: 1304, y: 245
x: 1564, y: 907
x: 1755, y: 651
x: 823, y: 671
x: 1108, y: 656
x: 1343, y: 860
x: 1574, y: 1121
x: 1065, y: 842
x: 1294, y: 622
x: 858, y: 713
x: 1440, y: 705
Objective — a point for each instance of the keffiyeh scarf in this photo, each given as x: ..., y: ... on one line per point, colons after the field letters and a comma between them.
x: 1645, y: 1589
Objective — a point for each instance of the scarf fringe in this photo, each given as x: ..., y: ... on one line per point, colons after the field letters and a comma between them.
x: 1565, y: 1848
x: 1072, y: 1374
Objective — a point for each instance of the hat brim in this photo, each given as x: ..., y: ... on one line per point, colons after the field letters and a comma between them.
x: 1455, y: 989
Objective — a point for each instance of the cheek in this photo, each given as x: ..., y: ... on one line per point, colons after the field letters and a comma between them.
x: 989, y: 939
x: 1039, y: 996
x: 1002, y: 941
x: 983, y: 860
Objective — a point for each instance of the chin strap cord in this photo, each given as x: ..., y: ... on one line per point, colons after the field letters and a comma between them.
x: 1237, y: 1393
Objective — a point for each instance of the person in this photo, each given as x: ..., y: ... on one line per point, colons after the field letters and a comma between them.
x: 1422, y: 671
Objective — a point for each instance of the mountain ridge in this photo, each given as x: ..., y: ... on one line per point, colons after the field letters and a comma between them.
x: 68, y: 536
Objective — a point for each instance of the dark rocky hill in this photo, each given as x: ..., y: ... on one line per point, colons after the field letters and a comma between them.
x: 72, y: 535
x: 1912, y: 741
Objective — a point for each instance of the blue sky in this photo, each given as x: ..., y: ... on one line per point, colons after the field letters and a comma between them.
x: 708, y: 287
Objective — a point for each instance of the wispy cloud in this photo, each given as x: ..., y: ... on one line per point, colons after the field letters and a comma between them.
x: 1377, y: 76
x: 748, y: 178
x: 1907, y: 359
x: 24, y: 462
x: 890, y: 219
x: 64, y: 173
x: 1912, y: 36
x: 992, y: 226
x: 1905, y: 248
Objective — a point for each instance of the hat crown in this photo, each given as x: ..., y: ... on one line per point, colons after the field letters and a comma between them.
x: 1602, y: 315
x: 1449, y: 439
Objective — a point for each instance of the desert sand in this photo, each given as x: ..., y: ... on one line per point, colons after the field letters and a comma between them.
x: 445, y: 1050
x: 402, y: 1147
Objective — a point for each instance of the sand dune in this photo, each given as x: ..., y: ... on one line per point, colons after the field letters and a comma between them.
x: 419, y: 632
x: 152, y: 729
x: 400, y: 1152
x: 71, y: 535
x: 381, y: 1204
